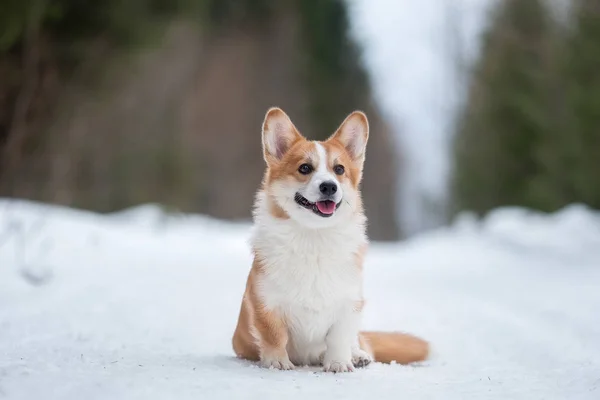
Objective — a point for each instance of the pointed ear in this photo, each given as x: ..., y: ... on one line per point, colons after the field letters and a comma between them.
x: 278, y: 134
x: 353, y: 133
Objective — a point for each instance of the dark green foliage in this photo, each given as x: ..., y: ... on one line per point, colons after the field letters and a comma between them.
x: 13, y: 19
x: 530, y: 131
x: 224, y: 12
x: 506, y: 114
x: 57, y: 35
x: 337, y: 80
x: 75, y: 20
x: 573, y: 169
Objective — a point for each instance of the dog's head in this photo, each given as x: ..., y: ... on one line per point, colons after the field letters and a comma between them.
x: 314, y: 183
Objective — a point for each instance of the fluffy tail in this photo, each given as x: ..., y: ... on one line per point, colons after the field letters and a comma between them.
x: 391, y: 347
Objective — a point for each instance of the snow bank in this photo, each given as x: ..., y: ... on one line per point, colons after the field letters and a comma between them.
x: 570, y: 232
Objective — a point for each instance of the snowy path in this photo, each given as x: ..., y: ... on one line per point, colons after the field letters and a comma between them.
x: 143, y: 308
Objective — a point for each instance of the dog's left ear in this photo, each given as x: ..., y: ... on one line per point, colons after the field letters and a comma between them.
x: 278, y: 134
x: 353, y: 133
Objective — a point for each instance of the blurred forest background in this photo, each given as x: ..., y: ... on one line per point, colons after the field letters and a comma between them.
x: 529, y: 132
x: 105, y: 105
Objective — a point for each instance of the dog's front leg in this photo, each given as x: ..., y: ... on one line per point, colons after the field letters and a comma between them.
x: 340, y: 339
x: 272, y: 339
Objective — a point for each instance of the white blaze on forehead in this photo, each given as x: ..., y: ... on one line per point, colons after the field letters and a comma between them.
x: 322, y: 174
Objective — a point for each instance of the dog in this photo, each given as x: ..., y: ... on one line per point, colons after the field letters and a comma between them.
x: 303, y: 299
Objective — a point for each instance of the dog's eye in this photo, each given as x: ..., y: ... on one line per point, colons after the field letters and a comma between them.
x: 339, y: 169
x: 305, y: 169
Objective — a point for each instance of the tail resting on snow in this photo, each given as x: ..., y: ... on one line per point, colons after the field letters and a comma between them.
x: 388, y: 347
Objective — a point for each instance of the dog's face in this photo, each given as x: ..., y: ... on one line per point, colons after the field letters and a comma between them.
x: 314, y: 183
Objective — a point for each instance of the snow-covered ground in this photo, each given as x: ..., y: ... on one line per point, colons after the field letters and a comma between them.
x: 142, y: 305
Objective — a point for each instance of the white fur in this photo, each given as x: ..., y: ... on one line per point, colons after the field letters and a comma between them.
x: 322, y: 174
x: 311, y: 273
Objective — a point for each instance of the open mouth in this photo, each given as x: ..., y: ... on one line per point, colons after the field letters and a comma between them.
x: 323, y: 208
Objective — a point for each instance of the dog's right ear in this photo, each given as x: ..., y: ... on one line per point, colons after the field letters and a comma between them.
x: 278, y: 134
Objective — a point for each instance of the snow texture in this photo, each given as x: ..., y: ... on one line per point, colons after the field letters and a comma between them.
x: 142, y: 305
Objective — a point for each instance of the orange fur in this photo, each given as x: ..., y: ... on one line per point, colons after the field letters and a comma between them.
x: 253, y: 315
x: 388, y: 347
x: 339, y: 155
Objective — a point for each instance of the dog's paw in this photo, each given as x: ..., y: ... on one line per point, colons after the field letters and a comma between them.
x: 337, y: 366
x: 282, y: 363
x: 361, y: 358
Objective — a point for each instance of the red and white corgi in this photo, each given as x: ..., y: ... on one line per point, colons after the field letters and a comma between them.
x: 304, y: 295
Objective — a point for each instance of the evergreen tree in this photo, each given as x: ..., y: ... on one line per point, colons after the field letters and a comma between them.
x: 505, y: 115
x: 570, y: 154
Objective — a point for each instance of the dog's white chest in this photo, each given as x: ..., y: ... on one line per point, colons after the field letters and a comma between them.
x: 310, y: 278
x: 310, y: 281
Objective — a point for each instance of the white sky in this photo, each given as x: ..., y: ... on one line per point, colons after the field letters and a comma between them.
x: 408, y: 48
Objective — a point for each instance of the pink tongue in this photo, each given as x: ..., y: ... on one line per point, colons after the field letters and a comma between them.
x: 326, y: 207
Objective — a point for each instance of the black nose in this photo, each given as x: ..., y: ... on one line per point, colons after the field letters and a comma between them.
x: 328, y: 188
